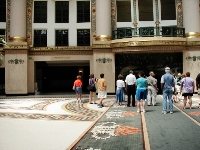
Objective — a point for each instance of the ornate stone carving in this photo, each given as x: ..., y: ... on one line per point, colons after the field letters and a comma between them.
x: 157, y: 14
x: 29, y: 6
x: 60, y: 52
x: 179, y: 12
x: 77, y: 48
x: 8, y: 19
x: 16, y: 61
x: 148, y: 43
x: 135, y: 23
x: 93, y: 18
x: 16, y: 51
x: 113, y: 15
x: 144, y: 49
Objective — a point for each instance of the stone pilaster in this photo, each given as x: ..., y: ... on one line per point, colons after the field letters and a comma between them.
x: 191, y: 23
x: 104, y: 62
x: 16, y: 70
x: 16, y: 50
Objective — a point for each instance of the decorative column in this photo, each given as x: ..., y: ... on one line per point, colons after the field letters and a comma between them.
x: 16, y: 51
x: 191, y: 16
x: 103, y: 19
x: 191, y: 23
x: 18, y: 20
x: 103, y: 57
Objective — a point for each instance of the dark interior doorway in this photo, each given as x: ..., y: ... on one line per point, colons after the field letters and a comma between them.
x: 2, y: 81
x: 60, y: 77
x: 148, y: 62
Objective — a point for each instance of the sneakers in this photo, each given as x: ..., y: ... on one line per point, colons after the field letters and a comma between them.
x: 100, y: 105
x: 138, y: 111
x: 164, y: 112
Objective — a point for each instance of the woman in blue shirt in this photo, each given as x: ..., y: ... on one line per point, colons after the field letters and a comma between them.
x: 141, y: 92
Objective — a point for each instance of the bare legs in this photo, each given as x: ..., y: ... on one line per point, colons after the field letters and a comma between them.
x: 189, y: 101
x: 91, y: 97
x: 78, y: 97
x: 141, y: 105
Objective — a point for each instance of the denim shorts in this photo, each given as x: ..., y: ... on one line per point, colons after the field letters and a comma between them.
x: 141, y: 94
x: 78, y: 90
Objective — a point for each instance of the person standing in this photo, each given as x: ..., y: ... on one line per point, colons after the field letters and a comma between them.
x: 102, y: 87
x: 92, y: 89
x: 77, y: 86
x: 167, y: 86
x: 152, y: 89
x: 120, y: 89
x: 187, y: 88
x: 198, y: 83
x: 130, y: 88
x: 141, y: 92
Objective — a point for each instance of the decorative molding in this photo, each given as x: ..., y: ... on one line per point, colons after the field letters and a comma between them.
x: 93, y: 18
x: 16, y: 51
x: 113, y: 15
x: 149, y: 49
x: 17, y: 39
x: 14, y: 46
x: 157, y: 14
x: 135, y: 23
x: 16, y: 61
x: 29, y: 6
x: 179, y: 13
x: 66, y: 52
x: 192, y: 58
x: 148, y: 43
x: 104, y: 60
x: 103, y: 38
x: 8, y: 20
x: 58, y: 48
x: 192, y: 35
x: 95, y: 46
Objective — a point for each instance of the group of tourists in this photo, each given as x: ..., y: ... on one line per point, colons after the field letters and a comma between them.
x: 93, y: 83
x: 142, y: 89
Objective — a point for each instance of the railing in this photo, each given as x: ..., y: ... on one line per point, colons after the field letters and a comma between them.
x: 165, y: 31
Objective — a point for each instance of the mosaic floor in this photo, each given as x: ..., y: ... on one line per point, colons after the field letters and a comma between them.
x: 51, y: 109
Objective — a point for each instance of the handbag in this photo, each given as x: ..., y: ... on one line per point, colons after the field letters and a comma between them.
x: 90, y: 87
x: 74, y: 87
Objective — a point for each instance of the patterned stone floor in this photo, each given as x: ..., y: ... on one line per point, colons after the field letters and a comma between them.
x: 45, y: 122
x: 50, y: 108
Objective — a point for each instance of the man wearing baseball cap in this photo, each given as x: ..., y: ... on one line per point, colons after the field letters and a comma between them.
x: 167, y: 86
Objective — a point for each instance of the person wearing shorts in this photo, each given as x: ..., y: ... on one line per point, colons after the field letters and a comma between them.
x: 141, y: 92
x: 187, y: 88
x: 78, y: 88
x: 102, y: 93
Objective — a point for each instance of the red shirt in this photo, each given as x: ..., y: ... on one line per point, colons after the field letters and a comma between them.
x: 78, y: 83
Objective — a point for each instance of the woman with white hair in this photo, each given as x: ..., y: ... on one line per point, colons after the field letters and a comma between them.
x: 187, y: 88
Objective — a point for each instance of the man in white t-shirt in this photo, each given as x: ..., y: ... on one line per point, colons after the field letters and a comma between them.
x: 130, y: 88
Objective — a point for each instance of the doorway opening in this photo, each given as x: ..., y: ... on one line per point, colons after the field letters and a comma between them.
x: 148, y: 62
x: 55, y: 77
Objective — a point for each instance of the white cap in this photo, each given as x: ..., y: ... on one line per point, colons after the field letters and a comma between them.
x: 167, y: 69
